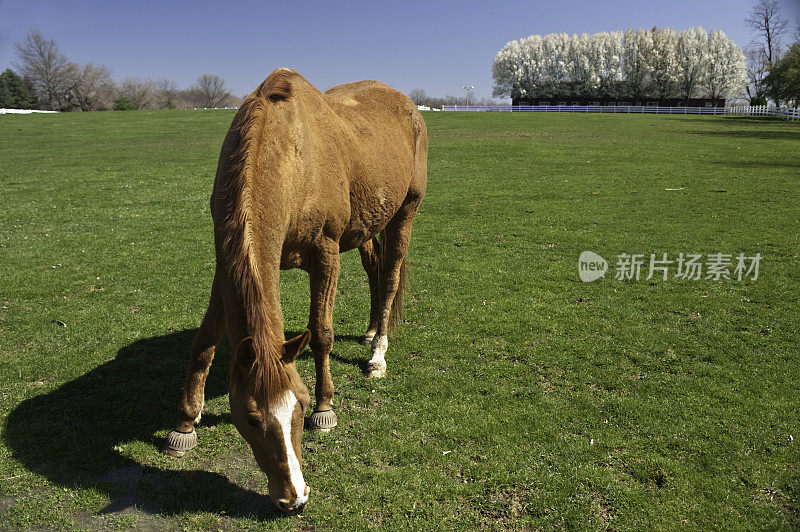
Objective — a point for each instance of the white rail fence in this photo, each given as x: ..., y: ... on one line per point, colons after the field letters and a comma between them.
x: 22, y: 111
x: 762, y: 110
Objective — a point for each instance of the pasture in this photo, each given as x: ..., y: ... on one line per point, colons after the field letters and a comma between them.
x: 517, y: 396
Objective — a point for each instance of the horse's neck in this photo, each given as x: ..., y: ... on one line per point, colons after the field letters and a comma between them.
x: 269, y: 275
x: 268, y: 234
x: 260, y: 226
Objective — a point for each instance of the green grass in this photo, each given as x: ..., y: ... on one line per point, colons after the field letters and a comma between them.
x: 517, y: 395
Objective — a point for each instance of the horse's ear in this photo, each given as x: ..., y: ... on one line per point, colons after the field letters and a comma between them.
x: 295, y: 346
x: 245, y: 354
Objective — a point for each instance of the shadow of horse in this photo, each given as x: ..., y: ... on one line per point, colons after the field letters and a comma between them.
x: 71, y: 435
x: 358, y: 362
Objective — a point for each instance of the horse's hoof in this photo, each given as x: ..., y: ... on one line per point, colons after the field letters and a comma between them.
x: 374, y: 371
x: 322, y: 421
x: 178, y: 443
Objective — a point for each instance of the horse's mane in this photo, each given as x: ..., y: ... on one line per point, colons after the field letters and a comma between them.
x: 240, y: 247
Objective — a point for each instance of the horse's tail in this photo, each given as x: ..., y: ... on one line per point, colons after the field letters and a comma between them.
x: 396, y: 314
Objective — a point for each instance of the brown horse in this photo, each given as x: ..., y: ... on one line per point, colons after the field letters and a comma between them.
x: 302, y: 177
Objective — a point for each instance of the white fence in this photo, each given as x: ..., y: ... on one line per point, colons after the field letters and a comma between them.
x: 22, y: 111
x: 792, y: 114
x: 763, y: 110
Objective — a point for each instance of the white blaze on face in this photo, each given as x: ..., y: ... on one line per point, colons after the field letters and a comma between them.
x: 283, y: 410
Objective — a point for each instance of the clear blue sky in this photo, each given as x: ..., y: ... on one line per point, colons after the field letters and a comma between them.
x: 436, y: 46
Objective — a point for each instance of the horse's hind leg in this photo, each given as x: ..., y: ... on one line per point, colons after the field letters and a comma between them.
x: 204, y: 346
x: 323, y: 275
x: 397, y: 235
x: 370, y: 260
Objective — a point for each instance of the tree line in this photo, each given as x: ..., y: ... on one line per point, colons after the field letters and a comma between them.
x: 658, y: 63
x: 46, y: 79
x: 420, y: 97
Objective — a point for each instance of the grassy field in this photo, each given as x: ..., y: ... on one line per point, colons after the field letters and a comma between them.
x: 517, y: 395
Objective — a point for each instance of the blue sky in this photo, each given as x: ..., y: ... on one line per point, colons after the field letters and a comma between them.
x: 436, y: 46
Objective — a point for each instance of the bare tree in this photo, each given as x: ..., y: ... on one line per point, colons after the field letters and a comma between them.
x: 765, y: 19
x: 757, y: 70
x: 45, y: 67
x: 235, y: 101
x: 210, y: 91
x: 417, y: 96
x: 166, y: 93
x: 90, y: 87
x: 139, y: 92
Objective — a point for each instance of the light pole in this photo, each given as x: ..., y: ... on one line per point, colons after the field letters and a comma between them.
x: 468, y: 88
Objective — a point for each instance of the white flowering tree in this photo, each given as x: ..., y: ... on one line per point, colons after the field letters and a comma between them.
x: 504, y: 71
x: 725, y: 67
x: 582, y: 68
x: 637, y: 49
x: 556, y: 59
x: 518, y: 68
x: 531, y: 75
x: 663, y: 61
x: 605, y: 50
x: 690, y: 55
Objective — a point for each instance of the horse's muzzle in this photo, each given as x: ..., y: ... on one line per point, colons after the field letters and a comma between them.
x: 289, y: 509
x: 292, y: 508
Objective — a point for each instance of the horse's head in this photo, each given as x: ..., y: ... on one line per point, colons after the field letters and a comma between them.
x: 268, y: 404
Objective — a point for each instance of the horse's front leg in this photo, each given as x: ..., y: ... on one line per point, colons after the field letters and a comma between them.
x: 323, y: 275
x: 183, y: 438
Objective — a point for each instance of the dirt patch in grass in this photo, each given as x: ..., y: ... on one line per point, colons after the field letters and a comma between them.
x: 602, y: 507
x: 504, y: 506
x: 128, y: 519
x: 782, y: 500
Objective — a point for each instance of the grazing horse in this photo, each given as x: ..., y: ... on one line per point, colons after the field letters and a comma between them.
x: 302, y: 177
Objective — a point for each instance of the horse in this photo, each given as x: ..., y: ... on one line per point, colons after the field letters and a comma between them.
x: 302, y: 177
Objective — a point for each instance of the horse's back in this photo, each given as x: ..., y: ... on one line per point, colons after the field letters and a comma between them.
x: 372, y: 95
x: 378, y: 104
x: 388, y: 134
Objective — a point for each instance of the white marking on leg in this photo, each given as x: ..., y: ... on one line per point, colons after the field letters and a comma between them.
x: 379, y: 346
x: 283, y: 410
x: 200, y: 415
x: 380, y: 342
